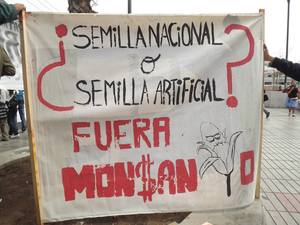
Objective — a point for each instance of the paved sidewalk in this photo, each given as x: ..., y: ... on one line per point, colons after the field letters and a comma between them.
x: 280, y: 182
x: 14, y: 149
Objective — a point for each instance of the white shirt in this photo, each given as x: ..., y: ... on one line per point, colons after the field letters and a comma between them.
x: 4, y: 96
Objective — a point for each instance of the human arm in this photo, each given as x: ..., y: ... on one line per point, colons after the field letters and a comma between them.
x: 9, y: 12
x: 287, y: 67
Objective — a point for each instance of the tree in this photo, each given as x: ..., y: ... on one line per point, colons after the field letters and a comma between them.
x: 80, y: 6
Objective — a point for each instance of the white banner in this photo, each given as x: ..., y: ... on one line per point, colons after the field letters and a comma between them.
x: 144, y: 114
x: 10, y: 40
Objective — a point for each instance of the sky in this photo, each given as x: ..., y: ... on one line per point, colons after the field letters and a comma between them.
x: 275, y: 15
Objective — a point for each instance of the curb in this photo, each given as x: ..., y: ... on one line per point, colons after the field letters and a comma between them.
x: 12, y: 156
x: 249, y: 215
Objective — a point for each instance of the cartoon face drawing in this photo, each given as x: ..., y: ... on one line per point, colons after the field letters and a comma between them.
x: 212, y: 137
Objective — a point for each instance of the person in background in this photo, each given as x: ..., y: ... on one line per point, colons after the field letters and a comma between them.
x: 6, y: 66
x: 292, y: 98
x: 266, y: 98
x: 20, y: 100
x: 287, y: 67
x: 9, y: 12
x: 6, y: 69
x: 12, y: 114
x: 3, y: 115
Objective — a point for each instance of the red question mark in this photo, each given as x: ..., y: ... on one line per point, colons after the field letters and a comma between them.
x: 61, y: 30
x: 232, y: 100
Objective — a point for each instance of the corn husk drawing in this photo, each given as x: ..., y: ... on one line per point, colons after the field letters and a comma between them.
x: 222, y: 151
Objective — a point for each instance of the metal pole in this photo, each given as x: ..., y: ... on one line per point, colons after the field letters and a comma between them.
x: 287, y: 36
x: 129, y: 6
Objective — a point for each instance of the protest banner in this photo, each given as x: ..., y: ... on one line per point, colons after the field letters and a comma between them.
x: 10, y: 40
x: 143, y: 114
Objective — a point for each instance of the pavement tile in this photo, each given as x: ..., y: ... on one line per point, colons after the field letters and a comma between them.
x: 267, y: 203
x: 295, y: 185
x: 290, y: 165
x: 271, y: 185
x: 280, y: 186
x: 276, y: 203
x: 271, y: 164
x: 280, y: 174
x: 277, y: 218
x: 288, y: 186
x: 293, y: 201
x: 270, y: 173
x: 288, y: 218
x: 291, y: 175
x: 263, y: 174
x: 269, y: 219
x: 296, y: 217
x: 296, y: 173
x: 284, y: 164
x: 264, y: 186
x: 297, y: 196
x: 283, y: 174
x: 285, y: 202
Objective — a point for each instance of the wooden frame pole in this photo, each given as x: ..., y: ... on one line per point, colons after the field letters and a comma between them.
x: 257, y: 189
x: 28, y: 101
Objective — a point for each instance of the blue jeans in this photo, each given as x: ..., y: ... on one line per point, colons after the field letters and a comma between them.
x: 12, y: 121
x: 22, y: 115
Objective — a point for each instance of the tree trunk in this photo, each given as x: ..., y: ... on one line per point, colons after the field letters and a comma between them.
x: 80, y: 6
